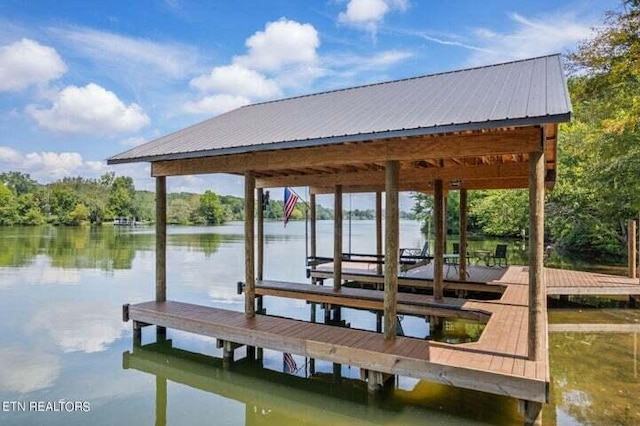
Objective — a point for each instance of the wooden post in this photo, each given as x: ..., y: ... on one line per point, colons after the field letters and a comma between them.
x: 463, y: 235
x: 392, y: 172
x: 313, y: 233
x: 161, y: 249
x: 537, y: 292
x: 249, y: 249
x: 438, y: 262
x: 337, y: 238
x: 379, y: 230
x: 161, y: 400
x: 161, y: 239
x: 532, y: 413
x: 260, y: 211
x: 632, y: 254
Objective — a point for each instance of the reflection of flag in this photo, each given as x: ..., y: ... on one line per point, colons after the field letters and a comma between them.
x: 289, y: 363
x: 290, y: 199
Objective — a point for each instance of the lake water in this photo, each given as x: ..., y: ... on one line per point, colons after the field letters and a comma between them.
x: 63, y: 340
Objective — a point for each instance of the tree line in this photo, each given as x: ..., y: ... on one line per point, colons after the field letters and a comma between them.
x: 598, y: 186
x: 78, y: 200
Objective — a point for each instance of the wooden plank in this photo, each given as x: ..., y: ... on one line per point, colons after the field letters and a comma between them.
x: 405, y: 356
x: 391, y: 248
x: 161, y: 239
x: 408, y: 175
x: 496, y: 142
x: 249, y: 249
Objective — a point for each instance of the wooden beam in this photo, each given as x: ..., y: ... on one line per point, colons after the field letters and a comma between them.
x: 427, y: 187
x: 537, y: 291
x: 161, y: 239
x: 379, y: 229
x: 494, y: 142
x: 407, y: 176
x: 439, y: 249
x: 391, y: 250
x: 337, y: 237
x: 260, y: 212
x: 249, y: 262
x: 463, y: 235
x: 632, y: 255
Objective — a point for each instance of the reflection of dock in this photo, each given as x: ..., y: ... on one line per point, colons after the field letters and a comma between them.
x: 280, y: 398
x: 277, y: 398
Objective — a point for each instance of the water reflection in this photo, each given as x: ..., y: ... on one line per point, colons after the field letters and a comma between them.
x: 80, y: 326
x: 273, y: 398
x: 594, y: 378
x: 23, y: 371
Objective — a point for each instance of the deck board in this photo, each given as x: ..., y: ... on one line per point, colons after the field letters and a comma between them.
x: 417, y: 358
x: 496, y: 363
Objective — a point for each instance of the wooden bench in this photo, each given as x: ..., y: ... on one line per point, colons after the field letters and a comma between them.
x: 408, y: 303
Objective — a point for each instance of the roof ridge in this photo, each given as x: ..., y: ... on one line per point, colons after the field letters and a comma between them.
x: 380, y: 83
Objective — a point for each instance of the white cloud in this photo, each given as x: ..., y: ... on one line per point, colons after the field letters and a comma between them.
x: 368, y: 14
x: 282, y: 43
x: 130, y: 55
x: 236, y: 79
x: 57, y: 164
x: 282, y: 56
x: 530, y: 37
x: 215, y: 104
x: 23, y: 371
x: 26, y: 62
x: 92, y: 328
x: 47, y: 166
x: 89, y: 109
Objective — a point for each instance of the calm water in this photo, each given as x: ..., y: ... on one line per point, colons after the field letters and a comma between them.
x: 61, y: 292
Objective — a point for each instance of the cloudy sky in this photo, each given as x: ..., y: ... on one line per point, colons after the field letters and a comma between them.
x: 81, y: 80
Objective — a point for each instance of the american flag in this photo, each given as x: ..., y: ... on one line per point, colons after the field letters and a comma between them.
x: 289, y: 364
x: 290, y: 200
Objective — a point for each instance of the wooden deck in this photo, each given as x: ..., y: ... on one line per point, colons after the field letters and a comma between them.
x: 491, y: 279
x: 497, y: 363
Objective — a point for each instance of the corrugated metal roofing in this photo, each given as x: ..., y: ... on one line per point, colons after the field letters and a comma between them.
x: 525, y: 92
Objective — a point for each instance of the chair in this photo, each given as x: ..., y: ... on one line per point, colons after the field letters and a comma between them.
x: 499, y: 255
x: 413, y: 257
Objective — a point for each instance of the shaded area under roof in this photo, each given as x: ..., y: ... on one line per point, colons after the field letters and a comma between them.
x: 526, y: 92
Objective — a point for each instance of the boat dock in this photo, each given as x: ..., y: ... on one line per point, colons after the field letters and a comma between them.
x: 476, y: 129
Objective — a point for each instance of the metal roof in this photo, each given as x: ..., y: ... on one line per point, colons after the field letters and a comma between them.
x: 526, y: 92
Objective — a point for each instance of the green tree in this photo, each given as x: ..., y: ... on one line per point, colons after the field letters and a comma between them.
x: 63, y: 201
x: 29, y: 212
x: 211, y: 209
x: 20, y: 183
x: 8, y: 206
x: 121, y: 197
x: 78, y: 216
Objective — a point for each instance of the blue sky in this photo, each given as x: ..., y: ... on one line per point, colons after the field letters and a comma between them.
x: 82, y: 80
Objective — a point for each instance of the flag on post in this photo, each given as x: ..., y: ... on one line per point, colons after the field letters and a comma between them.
x: 290, y: 200
x: 289, y: 364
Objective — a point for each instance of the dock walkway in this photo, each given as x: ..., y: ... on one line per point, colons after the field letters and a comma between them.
x: 497, y: 363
